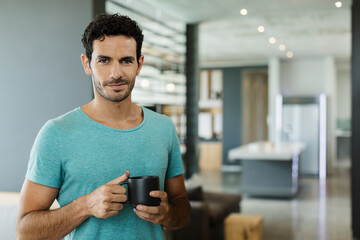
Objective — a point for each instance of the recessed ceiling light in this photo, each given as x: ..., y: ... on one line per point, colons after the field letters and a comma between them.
x: 261, y: 29
x: 170, y: 87
x: 289, y: 54
x: 243, y: 11
x: 338, y: 4
x: 272, y: 40
x: 282, y: 47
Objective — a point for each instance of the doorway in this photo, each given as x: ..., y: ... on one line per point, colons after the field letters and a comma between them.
x: 254, y: 105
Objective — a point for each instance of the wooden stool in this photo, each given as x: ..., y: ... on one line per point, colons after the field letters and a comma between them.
x: 243, y: 227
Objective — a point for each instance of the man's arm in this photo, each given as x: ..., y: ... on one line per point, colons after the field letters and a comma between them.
x: 174, y: 210
x: 36, y: 221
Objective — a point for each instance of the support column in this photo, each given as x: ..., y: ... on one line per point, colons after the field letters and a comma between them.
x: 330, y: 90
x: 192, y: 107
x: 274, y: 89
x: 355, y: 120
x: 98, y: 7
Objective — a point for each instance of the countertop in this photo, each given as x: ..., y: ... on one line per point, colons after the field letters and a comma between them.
x: 283, y: 151
x: 13, y: 198
x: 10, y: 198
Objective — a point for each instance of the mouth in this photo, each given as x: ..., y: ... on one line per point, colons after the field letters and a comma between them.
x: 117, y: 86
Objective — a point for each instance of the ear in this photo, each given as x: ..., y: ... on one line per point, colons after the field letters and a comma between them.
x: 141, y: 61
x: 86, y: 64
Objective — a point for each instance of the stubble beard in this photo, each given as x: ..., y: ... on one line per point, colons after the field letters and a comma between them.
x: 100, y: 88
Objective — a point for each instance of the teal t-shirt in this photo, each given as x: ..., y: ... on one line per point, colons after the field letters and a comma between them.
x: 77, y: 155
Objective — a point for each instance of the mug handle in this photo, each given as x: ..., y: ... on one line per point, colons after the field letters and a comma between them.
x: 126, y: 183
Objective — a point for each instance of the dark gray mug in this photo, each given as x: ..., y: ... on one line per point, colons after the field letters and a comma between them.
x: 139, y: 189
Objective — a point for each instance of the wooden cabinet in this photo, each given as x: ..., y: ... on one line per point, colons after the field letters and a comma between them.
x: 210, y: 155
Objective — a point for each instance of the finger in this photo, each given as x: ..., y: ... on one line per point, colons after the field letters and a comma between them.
x: 156, y: 219
x: 127, y: 173
x: 115, y: 207
x: 117, y: 189
x: 143, y: 215
x: 148, y: 209
x: 110, y: 214
x: 118, y: 198
x: 118, y: 180
x: 159, y: 194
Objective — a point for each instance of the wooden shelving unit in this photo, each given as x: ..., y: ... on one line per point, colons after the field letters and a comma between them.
x: 210, y: 119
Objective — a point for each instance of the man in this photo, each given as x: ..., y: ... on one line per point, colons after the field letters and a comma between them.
x: 79, y: 158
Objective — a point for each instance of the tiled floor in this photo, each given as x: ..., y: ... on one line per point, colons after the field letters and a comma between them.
x: 320, y: 210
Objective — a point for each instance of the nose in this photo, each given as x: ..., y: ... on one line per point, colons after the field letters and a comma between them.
x: 116, y: 71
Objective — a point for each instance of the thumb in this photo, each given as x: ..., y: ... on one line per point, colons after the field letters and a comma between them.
x: 118, y: 180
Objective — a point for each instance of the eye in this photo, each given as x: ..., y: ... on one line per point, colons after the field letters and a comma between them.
x: 126, y: 61
x: 103, y: 61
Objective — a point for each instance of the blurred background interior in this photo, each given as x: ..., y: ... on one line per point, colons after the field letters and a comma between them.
x: 262, y: 94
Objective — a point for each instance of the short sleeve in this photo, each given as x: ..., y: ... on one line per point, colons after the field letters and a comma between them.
x: 45, y: 164
x: 175, y: 165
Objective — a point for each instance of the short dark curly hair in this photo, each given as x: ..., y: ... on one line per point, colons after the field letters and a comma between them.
x: 111, y: 25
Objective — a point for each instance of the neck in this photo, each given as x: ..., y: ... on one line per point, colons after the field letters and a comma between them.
x: 112, y: 110
x: 121, y: 115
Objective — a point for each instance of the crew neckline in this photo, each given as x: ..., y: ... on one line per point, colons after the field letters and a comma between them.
x: 100, y: 125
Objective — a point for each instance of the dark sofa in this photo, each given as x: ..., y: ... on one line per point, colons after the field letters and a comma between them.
x: 208, y: 212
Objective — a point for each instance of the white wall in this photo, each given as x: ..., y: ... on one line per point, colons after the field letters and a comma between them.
x: 302, y: 76
x: 40, y: 74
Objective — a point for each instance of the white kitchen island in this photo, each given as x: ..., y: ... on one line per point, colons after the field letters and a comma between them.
x: 269, y: 169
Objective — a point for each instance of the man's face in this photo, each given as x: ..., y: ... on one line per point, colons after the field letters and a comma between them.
x: 113, y: 67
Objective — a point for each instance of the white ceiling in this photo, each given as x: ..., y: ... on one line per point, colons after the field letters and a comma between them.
x: 308, y: 28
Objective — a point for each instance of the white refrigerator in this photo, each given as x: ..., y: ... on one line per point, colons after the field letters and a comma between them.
x: 301, y: 122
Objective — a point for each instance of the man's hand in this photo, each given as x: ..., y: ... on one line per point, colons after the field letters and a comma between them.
x: 107, y: 200
x: 155, y: 214
x: 174, y: 210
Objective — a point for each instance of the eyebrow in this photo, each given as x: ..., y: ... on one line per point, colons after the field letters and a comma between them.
x: 128, y: 58
x: 103, y: 57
